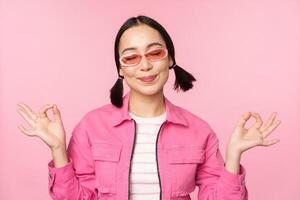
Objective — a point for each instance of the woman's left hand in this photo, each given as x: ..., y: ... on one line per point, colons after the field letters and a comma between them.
x: 243, y: 139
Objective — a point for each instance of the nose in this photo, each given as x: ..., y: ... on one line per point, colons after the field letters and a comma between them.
x: 145, y: 64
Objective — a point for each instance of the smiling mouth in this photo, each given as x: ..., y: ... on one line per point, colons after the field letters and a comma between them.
x: 148, y: 78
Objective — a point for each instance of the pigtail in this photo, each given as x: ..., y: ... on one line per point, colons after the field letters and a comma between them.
x: 116, y: 93
x: 184, y: 80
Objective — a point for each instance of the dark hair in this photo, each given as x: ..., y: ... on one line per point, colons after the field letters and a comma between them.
x: 183, y: 79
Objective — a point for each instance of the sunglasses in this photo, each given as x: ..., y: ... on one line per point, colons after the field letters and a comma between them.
x: 153, y: 55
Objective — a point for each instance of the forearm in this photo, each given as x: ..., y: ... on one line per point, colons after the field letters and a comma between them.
x: 232, y: 163
x: 229, y: 184
x: 60, y: 156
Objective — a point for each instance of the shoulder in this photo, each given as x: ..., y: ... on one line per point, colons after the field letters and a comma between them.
x: 96, y: 115
x: 195, y: 121
x: 198, y: 128
x: 106, y: 110
x: 93, y: 120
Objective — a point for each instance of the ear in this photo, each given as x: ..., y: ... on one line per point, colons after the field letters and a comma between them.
x: 171, y: 62
x: 121, y: 72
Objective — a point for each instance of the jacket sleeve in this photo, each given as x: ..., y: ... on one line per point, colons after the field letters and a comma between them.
x: 214, y: 181
x: 76, y: 179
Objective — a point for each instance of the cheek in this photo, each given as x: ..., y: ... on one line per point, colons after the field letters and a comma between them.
x: 130, y: 77
x: 164, y: 72
x: 161, y: 68
x: 164, y: 77
x: 129, y: 73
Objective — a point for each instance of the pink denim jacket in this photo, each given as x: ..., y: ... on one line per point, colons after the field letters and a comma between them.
x: 187, y: 154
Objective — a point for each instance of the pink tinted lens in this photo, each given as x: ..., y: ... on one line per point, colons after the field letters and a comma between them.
x: 156, y: 54
x: 153, y: 55
x: 131, y: 59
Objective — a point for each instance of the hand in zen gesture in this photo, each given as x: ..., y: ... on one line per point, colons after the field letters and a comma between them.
x: 244, y: 138
x: 50, y: 131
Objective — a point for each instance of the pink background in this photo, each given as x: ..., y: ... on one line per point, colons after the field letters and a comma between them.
x: 244, y: 54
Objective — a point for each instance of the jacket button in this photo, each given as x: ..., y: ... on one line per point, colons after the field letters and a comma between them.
x: 237, y: 188
x: 243, y: 182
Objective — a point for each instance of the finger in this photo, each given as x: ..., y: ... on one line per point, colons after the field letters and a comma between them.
x: 26, y: 132
x: 28, y: 111
x: 56, y: 113
x: 25, y: 116
x: 270, y: 121
x: 270, y: 142
x: 258, y: 122
x: 244, y: 119
x: 43, y: 110
x: 270, y: 129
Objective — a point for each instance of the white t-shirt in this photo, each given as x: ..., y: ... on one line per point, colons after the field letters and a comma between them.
x: 144, y: 182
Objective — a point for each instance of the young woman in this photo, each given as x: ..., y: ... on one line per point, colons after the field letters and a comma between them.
x: 142, y: 146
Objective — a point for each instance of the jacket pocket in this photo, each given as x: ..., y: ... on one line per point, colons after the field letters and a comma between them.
x: 106, y: 193
x: 185, y: 155
x: 183, y: 163
x: 106, y: 159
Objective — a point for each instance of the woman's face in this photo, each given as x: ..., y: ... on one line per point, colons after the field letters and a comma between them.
x: 140, y: 37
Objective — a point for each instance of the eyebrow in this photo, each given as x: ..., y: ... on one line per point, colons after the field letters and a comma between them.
x: 149, y: 45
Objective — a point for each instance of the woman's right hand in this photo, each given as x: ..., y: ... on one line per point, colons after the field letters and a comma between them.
x: 51, y: 132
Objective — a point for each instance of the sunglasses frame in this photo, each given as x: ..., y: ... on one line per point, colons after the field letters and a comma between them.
x: 143, y: 54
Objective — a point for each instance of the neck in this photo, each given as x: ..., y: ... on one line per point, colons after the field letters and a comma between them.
x: 146, y: 105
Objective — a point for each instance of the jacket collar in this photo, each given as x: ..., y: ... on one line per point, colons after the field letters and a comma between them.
x: 173, y: 113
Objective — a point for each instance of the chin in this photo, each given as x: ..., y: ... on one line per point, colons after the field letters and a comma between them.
x: 150, y: 91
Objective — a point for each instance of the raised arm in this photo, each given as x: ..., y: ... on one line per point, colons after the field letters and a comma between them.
x: 219, y: 180
x: 71, y: 171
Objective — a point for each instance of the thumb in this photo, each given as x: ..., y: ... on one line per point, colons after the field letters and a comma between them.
x: 56, y: 113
